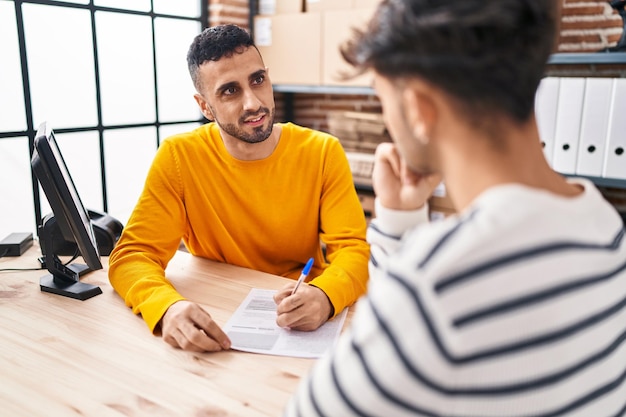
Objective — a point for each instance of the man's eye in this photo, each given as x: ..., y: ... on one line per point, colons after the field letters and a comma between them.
x: 259, y: 79
x: 230, y: 91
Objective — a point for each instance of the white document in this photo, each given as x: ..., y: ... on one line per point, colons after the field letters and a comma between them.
x: 253, y: 328
x: 615, y: 158
x: 594, y: 127
x: 546, y: 101
x: 568, y: 120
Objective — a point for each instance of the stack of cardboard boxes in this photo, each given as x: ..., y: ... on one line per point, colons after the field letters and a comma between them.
x: 299, y: 39
x: 358, y: 131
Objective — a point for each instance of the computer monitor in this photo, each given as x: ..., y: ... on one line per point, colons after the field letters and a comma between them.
x: 70, y: 218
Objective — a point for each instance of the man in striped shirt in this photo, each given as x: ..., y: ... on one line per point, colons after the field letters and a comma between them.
x: 517, y: 305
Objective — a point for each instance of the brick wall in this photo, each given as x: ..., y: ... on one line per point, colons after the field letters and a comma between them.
x: 311, y: 109
x: 229, y: 11
x: 588, y: 26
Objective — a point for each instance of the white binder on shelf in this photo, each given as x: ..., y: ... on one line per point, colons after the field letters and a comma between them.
x: 615, y: 153
x: 546, y: 101
x: 594, y: 126
x: 568, y: 119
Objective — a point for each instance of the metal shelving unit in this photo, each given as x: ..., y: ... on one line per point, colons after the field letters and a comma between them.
x: 592, y: 58
x: 323, y: 89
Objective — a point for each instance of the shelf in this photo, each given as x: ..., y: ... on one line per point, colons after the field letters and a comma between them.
x: 591, y: 58
x: 565, y: 58
x: 602, y: 181
x: 599, y: 181
x: 362, y: 186
x: 323, y: 89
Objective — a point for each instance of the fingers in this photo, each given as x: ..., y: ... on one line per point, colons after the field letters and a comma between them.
x: 306, y: 310
x: 289, y: 303
x: 187, y: 326
x: 388, y: 159
x: 284, y: 292
x: 396, y: 185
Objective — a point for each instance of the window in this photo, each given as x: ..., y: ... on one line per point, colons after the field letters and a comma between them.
x: 110, y: 76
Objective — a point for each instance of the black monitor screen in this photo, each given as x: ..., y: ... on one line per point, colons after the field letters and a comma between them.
x: 70, y: 217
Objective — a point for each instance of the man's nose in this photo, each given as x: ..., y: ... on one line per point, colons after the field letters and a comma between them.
x: 251, y: 101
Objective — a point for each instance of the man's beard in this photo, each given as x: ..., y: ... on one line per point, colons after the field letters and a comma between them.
x: 259, y: 134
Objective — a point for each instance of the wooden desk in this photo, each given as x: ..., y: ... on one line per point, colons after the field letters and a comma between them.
x: 64, y: 357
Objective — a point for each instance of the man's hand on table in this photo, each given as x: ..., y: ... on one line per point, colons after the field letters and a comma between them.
x: 188, y: 326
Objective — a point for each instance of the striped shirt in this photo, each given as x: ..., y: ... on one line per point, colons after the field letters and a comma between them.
x: 517, y: 307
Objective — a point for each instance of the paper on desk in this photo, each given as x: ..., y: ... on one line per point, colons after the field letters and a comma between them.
x: 253, y: 328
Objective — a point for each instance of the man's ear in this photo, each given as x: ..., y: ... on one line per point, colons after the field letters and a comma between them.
x: 204, y: 107
x: 420, y: 110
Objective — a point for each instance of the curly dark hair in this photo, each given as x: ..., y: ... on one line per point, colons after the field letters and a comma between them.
x: 488, y: 54
x: 213, y: 44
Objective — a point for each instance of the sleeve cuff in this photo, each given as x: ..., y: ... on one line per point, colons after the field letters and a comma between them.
x: 396, y: 222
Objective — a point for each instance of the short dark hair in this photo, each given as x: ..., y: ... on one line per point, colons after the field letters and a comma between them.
x: 489, y: 54
x: 213, y: 44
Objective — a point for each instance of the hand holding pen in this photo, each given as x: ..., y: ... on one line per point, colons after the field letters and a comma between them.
x: 302, y: 307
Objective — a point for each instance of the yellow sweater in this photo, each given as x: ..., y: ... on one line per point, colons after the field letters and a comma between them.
x: 268, y: 215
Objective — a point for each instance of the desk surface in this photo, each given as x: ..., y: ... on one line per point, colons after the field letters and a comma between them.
x: 64, y: 357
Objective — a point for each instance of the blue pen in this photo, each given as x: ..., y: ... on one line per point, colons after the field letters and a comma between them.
x: 303, y: 275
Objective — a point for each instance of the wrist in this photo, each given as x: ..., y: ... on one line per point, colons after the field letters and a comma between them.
x: 396, y: 222
x: 396, y: 205
x: 330, y: 304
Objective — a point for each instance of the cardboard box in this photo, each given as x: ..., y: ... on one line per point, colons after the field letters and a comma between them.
x: 291, y: 47
x: 325, y: 5
x: 358, y: 132
x: 273, y: 7
x: 336, y: 29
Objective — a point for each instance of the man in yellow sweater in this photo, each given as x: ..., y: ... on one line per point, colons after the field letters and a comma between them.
x: 244, y: 191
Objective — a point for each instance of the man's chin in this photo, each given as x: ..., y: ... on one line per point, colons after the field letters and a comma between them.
x: 258, y: 137
x: 262, y: 133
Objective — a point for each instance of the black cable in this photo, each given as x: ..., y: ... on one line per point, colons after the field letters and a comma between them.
x: 18, y: 269
x: 74, y: 256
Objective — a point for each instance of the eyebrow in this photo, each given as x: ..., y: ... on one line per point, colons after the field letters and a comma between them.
x: 228, y: 85
x: 256, y: 74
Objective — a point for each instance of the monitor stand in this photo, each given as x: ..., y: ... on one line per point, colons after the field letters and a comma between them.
x: 78, y: 290
x: 62, y: 279
x: 65, y: 281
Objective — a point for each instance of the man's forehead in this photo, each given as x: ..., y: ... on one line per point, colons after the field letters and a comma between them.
x: 234, y: 68
x: 246, y: 58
